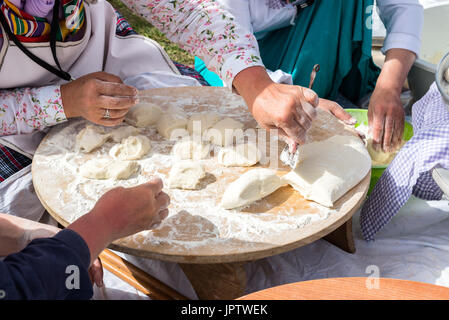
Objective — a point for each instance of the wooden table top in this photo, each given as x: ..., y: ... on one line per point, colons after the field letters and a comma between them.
x: 197, y: 229
x: 353, y: 289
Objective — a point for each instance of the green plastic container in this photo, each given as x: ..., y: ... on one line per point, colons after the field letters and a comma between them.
x: 361, y: 115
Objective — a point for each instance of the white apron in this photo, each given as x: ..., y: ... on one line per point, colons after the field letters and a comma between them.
x: 135, y: 57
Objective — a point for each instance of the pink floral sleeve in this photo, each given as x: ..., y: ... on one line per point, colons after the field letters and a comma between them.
x: 206, y: 30
x: 24, y: 110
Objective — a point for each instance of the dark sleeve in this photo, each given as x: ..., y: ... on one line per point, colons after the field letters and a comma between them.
x: 48, y: 268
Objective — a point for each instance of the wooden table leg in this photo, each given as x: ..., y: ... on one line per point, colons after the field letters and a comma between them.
x: 343, y: 237
x: 221, y: 281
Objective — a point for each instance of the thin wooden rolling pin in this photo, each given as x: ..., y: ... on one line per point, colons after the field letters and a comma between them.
x: 137, y: 278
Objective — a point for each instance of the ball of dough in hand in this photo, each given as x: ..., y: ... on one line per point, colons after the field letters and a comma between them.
x: 191, y: 149
x: 242, y: 155
x: 101, y: 169
x: 144, y: 114
x: 90, y: 138
x: 186, y: 175
x: 131, y: 148
x: 251, y: 186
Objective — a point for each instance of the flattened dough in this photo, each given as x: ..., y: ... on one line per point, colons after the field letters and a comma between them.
x: 251, y: 186
x: 199, y: 123
x: 222, y: 133
x: 131, y: 148
x: 173, y: 124
x: 242, y: 155
x: 330, y: 168
x: 102, y: 168
x: 186, y: 175
x: 123, y: 132
x: 191, y: 149
x: 144, y: 114
x: 90, y: 138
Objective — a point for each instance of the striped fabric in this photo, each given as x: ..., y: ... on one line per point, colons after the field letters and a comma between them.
x: 11, y: 162
x: 28, y: 28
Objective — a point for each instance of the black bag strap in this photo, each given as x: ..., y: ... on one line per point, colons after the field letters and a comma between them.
x: 53, y: 32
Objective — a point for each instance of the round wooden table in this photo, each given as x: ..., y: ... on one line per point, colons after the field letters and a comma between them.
x: 210, y: 243
x: 353, y: 289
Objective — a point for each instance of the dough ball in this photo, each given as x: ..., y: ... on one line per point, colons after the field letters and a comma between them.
x: 199, y: 123
x: 123, y: 132
x: 173, y: 124
x: 224, y: 131
x: 242, y: 155
x: 186, y: 175
x: 90, y: 138
x: 328, y: 169
x: 101, y: 169
x: 251, y: 186
x: 191, y: 149
x: 144, y: 114
x: 131, y: 148
x: 446, y: 75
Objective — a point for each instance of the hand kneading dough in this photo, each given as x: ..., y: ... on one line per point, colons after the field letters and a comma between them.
x: 222, y: 133
x: 108, y: 169
x: 144, y: 114
x: 90, y: 138
x: 131, y: 148
x: 191, y: 149
x: 186, y: 175
x: 199, y: 123
x: 242, y: 155
x: 251, y: 186
x: 121, y: 133
x: 173, y: 124
x: 330, y: 168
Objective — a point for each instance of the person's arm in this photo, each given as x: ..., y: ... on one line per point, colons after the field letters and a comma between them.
x: 56, y: 268
x: 16, y: 233
x: 403, y: 20
x: 24, y: 110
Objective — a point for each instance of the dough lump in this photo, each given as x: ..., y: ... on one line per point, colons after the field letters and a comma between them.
x: 242, y: 155
x: 191, y: 149
x: 131, y: 148
x: 123, y: 132
x: 199, y: 123
x: 328, y: 169
x: 251, y: 186
x: 90, y: 138
x: 144, y: 114
x: 103, y: 168
x: 186, y: 175
x: 173, y: 124
x: 223, y: 132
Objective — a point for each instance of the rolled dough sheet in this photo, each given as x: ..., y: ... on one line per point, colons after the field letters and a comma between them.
x: 328, y: 169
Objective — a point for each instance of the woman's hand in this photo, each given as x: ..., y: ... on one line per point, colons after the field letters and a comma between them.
x: 290, y: 109
x: 337, y: 110
x: 91, y: 95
